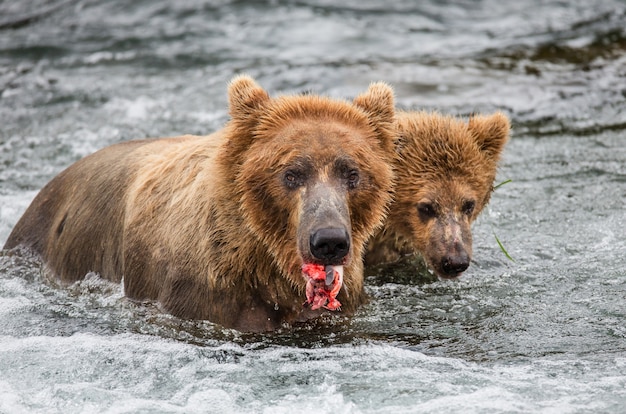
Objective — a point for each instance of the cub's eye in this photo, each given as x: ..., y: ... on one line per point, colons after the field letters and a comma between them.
x: 293, y: 179
x: 426, y: 211
x: 353, y: 179
x: 468, y: 207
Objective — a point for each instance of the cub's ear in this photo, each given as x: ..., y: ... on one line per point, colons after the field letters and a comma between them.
x: 245, y: 98
x: 379, y: 104
x: 491, y: 132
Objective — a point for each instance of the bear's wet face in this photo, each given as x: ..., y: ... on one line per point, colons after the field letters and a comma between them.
x: 311, y: 181
x: 447, y: 226
x: 315, y: 191
x: 445, y: 168
x: 323, y: 186
x: 439, y: 225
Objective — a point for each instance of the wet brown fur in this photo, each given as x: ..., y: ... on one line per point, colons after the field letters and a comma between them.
x: 204, y: 225
x: 447, y: 163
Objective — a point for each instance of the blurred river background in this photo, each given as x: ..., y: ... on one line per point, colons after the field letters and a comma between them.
x: 543, y: 334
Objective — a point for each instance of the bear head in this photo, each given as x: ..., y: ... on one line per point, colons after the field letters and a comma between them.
x: 313, y: 175
x: 445, y: 170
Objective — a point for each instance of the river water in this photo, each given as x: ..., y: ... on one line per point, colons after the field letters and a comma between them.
x: 545, y: 333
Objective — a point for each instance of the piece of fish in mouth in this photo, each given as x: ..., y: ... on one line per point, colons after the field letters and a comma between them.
x: 323, y: 285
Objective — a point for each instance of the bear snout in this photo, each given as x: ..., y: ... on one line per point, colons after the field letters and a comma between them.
x: 330, y: 245
x: 454, y: 265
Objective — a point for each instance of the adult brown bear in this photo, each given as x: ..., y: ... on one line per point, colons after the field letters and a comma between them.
x: 445, y: 169
x: 219, y: 227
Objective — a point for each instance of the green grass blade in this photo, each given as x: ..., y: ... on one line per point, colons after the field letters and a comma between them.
x: 501, y: 184
x: 503, y: 249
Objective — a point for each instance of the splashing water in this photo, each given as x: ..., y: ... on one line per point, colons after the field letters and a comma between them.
x: 542, y: 334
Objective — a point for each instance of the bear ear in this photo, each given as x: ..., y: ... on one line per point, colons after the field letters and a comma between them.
x: 379, y: 104
x: 245, y: 97
x: 491, y: 132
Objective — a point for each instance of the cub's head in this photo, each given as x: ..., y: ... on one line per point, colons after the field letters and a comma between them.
x: 445, y: 171
x: 313, y: 174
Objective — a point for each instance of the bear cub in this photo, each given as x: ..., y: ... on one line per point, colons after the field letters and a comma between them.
x: 445, y: 169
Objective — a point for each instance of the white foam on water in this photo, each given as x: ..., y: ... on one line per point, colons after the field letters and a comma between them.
x: 120, y: 373
x: 140, y: 108
x: 10, y: 306
x: 12, y: 206
x: 326, y: 399
x: 123, y: 373
x: 10, y: 400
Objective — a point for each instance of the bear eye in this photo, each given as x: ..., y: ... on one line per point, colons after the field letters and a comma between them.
x: 353, y: 179
x: 468, y: 207
x: 426, y: 211
x: 293, y: 179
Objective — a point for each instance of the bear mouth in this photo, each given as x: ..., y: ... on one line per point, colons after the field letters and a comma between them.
x: 323, y: 283
x: 441, y: 275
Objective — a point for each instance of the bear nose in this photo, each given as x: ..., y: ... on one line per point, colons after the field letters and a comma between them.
x: 453, y: 265
x: 330, y: 245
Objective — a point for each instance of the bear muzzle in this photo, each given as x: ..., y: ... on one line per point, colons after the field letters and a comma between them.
x: 450, y: 249
x: 454, y: 264
x: 330, y: 245
x: 324, y: 233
